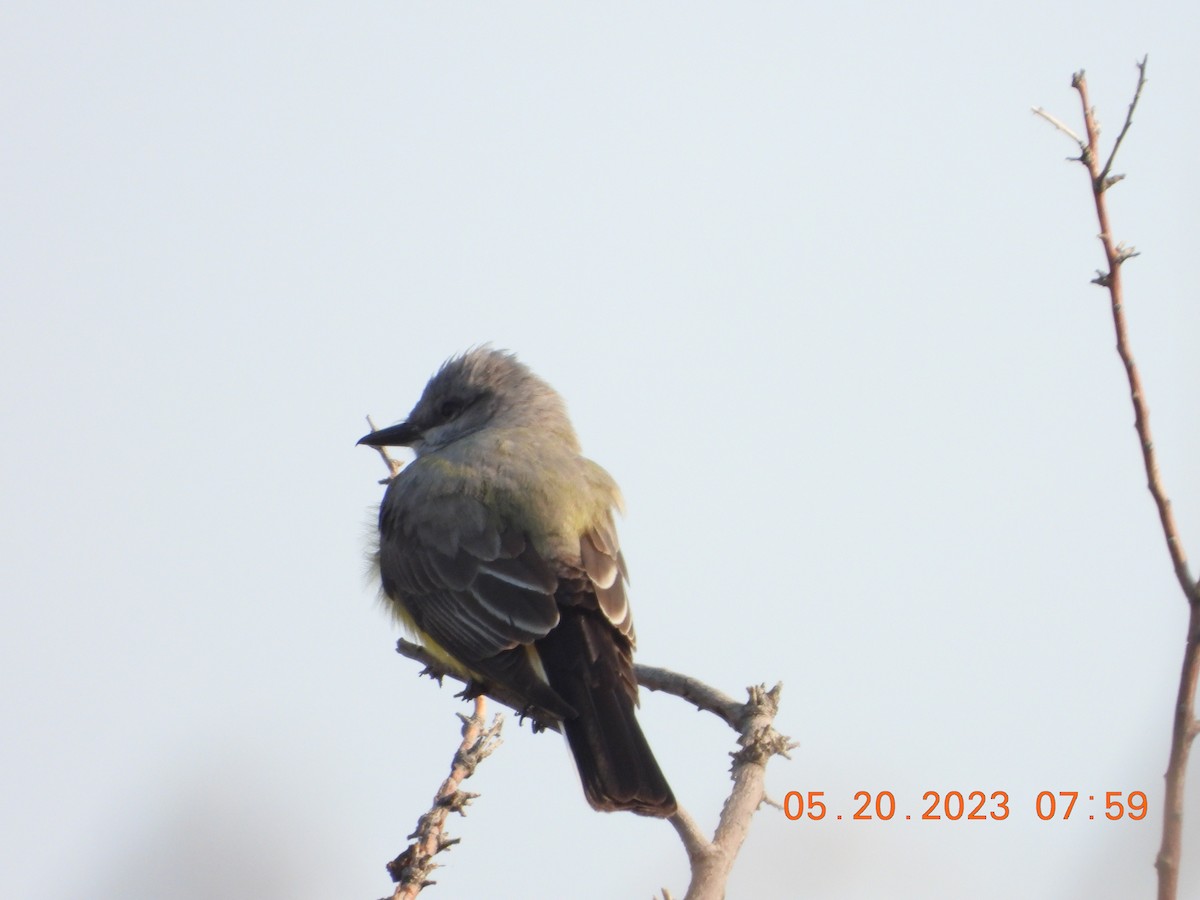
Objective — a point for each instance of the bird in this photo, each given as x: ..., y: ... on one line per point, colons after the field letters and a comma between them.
x: 498, y: 550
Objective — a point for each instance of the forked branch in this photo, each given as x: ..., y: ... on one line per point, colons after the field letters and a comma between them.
x: 1185, y: 723
x: 711, y: 860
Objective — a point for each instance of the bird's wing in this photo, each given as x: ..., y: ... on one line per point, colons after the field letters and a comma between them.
x: 474, y: 585
x: 604, y: 564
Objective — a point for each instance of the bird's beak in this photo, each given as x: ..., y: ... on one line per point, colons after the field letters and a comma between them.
x: 402, y: 435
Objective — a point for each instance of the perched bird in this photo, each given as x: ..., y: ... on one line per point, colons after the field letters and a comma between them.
x: 497, y: 548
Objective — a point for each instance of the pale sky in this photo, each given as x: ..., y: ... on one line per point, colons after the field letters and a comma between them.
x: 814, y: 283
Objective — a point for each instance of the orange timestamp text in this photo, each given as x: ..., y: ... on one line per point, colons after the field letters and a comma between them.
x: 970, y: 806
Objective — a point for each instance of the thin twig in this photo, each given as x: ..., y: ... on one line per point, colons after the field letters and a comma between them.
x: 1057, y: 123
x: 412, y: 868
x: 1168, y: 859
x: 1185, y: 724
x: 394, y: 465
x: 1137, y: 95
x: 1116, y: 254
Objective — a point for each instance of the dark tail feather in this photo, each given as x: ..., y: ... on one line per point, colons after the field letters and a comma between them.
x: 588, y: 663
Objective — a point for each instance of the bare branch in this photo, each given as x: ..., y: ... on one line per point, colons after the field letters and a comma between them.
x: 711, y: 861
x: 1105, y: 180
x: 1185, y: 727
x: 394, y: 465
x: 694, y: 841
x: 1057, y: 123
x: 412, y: 868
x: 696, y: 692
x: 1185, y: 724
x: 1116, y: 254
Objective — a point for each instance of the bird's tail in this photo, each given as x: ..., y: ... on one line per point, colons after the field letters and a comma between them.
x: 588, y: 663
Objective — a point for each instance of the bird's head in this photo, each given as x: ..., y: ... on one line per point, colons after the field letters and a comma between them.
x: 482, y: 388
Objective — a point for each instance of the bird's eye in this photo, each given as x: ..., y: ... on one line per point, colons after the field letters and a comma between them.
x: 449, y: 409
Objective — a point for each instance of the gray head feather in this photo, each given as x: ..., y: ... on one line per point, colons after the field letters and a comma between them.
x: 483, y: 388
